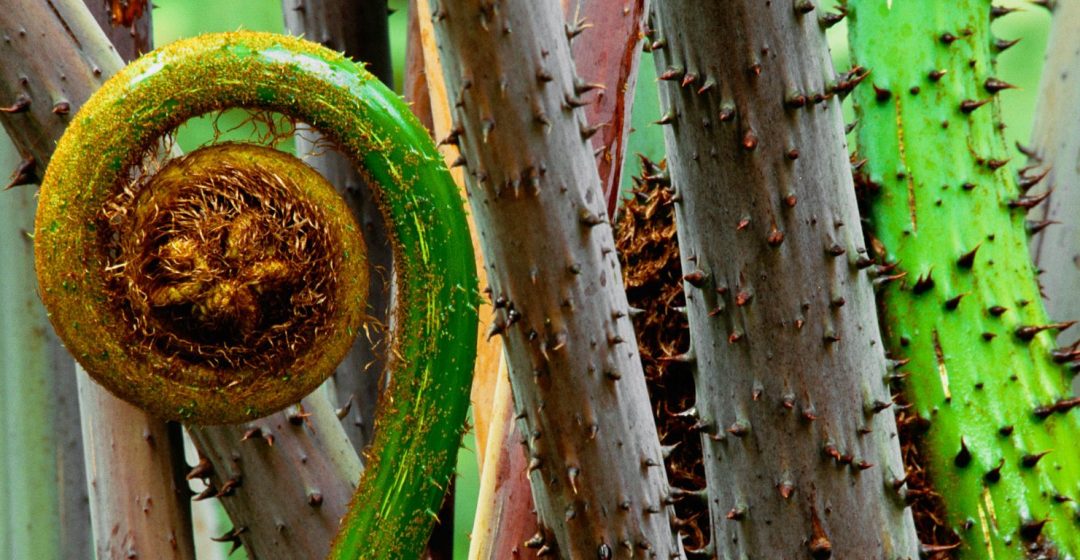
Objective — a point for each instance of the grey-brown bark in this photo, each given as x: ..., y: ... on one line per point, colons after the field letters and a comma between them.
x: 799, y: 440
x: 138, y: 498
x: 55, y: 57
x: 1056, y: 141
x: 359, y: 29
x: 285, y: 480
x: 595, y: 461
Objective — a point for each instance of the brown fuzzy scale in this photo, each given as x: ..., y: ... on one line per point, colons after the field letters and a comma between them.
x: 221, y: 263
x: 649, y: 254
x: 927, y: 506
x: 786, y: 381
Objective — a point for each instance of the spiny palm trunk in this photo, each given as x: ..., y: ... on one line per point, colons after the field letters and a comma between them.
x: 285, y: 480
x: 595, y: 462
x: 1056, y: 144
x: 800, y: 449
x: 130, y: 462
x: 985, y: 379
x: 606, y: 46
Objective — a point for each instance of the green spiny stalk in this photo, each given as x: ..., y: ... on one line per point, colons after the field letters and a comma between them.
x: 965, y: 308
x: 800, y: 454
x: 413, y: 451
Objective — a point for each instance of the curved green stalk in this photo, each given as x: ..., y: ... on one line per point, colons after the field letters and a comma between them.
x: 420, y: 420
x: 948, y: 213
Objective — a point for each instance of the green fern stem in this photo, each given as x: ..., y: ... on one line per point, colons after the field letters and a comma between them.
x: 948, y: 213
x: 422, y: 414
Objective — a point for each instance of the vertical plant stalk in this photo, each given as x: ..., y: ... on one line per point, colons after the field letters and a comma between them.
x: 799, y: 448
x: 610, y: 50
x: 1056, y: 144
x: 984, y: 377
x: 360, y: 30
x: 84, y: 56
x: 138, y: 496
x: 285, y: 480
x: 594, y: 458
x: 606, y: 45
x: 43, y: 512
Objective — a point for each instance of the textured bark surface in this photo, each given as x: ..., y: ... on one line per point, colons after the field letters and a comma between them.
x: 607, y: 48
x: 47, y: 88
x: 1056, y: 141
x: 138, y: 496
x: 594, y: 458
x: 358, y: 29
x: 790, y: 367
x: 285, y: 480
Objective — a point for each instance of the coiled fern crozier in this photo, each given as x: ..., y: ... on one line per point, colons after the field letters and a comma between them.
x: 948, y: 213
x: 227, y: 285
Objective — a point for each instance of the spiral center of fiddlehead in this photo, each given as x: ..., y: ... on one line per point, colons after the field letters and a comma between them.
x: 222, y: 262
x: 188, y: 302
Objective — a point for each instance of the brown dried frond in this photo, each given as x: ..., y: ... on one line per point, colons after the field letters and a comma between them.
x: 927, y: 506
x: 220, y: 265
x: 649, y: 253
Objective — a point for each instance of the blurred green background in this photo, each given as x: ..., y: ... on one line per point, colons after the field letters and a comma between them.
x: 174, y: 19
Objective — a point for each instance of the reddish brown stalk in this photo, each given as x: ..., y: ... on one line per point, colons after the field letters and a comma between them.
x: 606, y: 42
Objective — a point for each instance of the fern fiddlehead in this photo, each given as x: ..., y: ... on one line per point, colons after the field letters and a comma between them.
x: 217, y: 297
